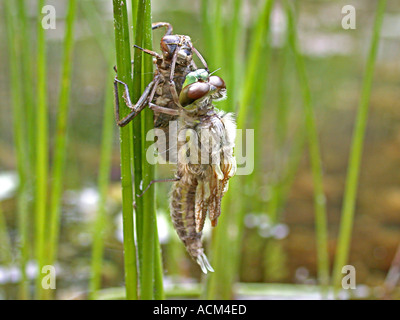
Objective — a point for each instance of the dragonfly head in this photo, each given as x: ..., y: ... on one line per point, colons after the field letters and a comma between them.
x: 199, y: 85
x: 171, y: 43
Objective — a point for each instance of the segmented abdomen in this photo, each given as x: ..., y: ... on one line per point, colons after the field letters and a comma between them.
x: 183, y: 217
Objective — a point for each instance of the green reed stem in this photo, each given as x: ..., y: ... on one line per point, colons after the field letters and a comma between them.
x: 315, y: 156
x: 42, y: 147
x: 95, y: 20
x: 30, y: 121
x: 149, y: 214
x: 234, y: 58
x: 137, y: 132
x: 15, y: 43
x: 5, y: 242
x: 151, y: 268
x: 28, y: 88
x: 260, y: 32
x: 353, y: 171
x: 148, y: 169
x: 61, y: 134
x: 218, y: 38
x: 207, y: 10
x: 123, y: 57
x: 159, y: 293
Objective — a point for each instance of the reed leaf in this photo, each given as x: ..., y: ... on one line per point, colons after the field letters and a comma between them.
x: 42, y: 146
x: 123, y: 57
x: 149, y: 219
x: 15, y: 43
x: 314, y: 152
x: 61, y: 135
x: 353, y: 171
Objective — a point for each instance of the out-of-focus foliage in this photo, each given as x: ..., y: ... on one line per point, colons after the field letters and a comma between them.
x: 280, y: 249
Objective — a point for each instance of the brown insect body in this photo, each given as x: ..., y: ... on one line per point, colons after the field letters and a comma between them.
x: 163, y: 96
x: 205, y: 164
x: 172, y: 66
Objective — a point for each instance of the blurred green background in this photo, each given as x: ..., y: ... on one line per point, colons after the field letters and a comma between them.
x: 282, y: 251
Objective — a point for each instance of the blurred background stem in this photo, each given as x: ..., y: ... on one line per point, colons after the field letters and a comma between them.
x: 42, y: 146
x: 353, y: 171
x: 321, y: 224
x: 21, y: 147
x: 61, y: 135
x: 229, y: 230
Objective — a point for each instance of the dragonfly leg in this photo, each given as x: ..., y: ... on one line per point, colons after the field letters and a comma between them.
x: 157, y: 25
x: 136, y: 108
x: 152, y: 53
x: 172, y: 86
x: 156, y: 108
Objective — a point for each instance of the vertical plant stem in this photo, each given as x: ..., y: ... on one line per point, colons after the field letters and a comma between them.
x: 41, y: 151
x: 27, y: 80
x: 137, y: 133
x: 135, y: 4
x: 150, y: 246
x: 233, y: 59
x: 353, y: 171
x: 149, y: 218
x: 30, y: 121
x: 260, y: 32
x: 15, y: 43
x: 159, y: 293
x: 218, y: 38
x: 5, y: 242
x: 149, y: 169
x: 123, y: 58
x: 61, y: 134
x: 207, y: 10
x: 315, y: 157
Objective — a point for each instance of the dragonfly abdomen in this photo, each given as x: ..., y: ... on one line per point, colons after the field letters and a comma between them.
x: 184, y: 219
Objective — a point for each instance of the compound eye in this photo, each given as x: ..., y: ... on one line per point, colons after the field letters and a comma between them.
x: 169, y: 44
x: 217, y: 82
x: 187, y: 51
x: 193, y: 92
x: 198, y: 90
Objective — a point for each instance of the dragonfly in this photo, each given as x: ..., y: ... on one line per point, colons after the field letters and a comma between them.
x: 206, y: 139
x: 172, y: 67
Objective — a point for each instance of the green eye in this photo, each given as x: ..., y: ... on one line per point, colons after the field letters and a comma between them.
x: 195, y: 76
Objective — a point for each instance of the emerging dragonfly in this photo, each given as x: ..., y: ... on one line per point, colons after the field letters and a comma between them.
x: 172, y: 67
x: 205, y: 159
